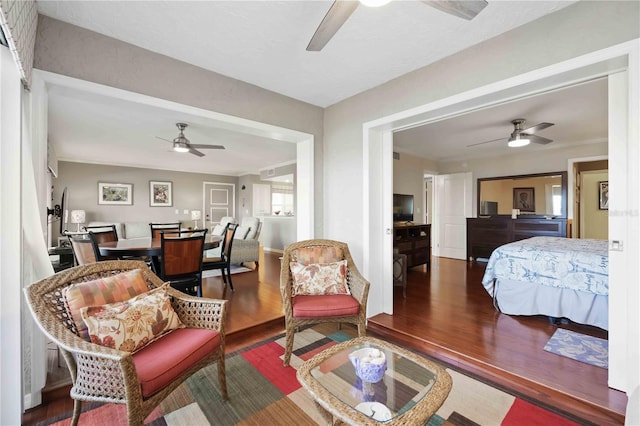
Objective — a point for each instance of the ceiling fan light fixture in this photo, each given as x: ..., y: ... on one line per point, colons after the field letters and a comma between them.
x: 180, y: 147
x: 374, y: 3
x: 518, y: 142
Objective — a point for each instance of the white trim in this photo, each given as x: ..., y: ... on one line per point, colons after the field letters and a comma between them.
x: 11, y: 274
x: 571, y: 179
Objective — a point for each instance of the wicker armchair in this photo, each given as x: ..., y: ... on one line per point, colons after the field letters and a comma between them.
x: 358, y: 286
x: 103, y: 374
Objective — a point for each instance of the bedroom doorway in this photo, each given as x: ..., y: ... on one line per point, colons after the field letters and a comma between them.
x: 619, y: 64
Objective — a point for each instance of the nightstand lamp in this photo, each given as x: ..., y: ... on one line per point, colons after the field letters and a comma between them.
x: 78, y: 217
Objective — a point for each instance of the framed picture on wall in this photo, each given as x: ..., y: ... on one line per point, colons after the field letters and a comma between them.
x: 115, y: 193
x: 160, y: 194
x: 603, y: 195
x: 524, y: 199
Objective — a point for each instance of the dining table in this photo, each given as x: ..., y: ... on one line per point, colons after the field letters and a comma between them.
x: 146, y: 246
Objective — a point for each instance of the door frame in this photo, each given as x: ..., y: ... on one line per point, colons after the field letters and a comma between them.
x: 204, y: 198
x: 378, y: 172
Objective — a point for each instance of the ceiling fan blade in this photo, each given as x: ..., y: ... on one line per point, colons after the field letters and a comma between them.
x: 200, y: 146
x: 533, y: 129
x: 482, y: 143
x: 538, y: 139
x: 164, y: 139
x: 467, y: 9
x: 337, y: 15
x: 195, y: 152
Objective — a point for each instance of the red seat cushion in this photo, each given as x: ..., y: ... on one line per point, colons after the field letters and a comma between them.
x: 333, y: 305
x: 160, y: 362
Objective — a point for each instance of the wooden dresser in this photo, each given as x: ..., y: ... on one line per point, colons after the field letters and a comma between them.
x: 414, y: 241
x: 486, y: 234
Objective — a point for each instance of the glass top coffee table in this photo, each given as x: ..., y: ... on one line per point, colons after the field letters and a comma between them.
x: 405, y: 389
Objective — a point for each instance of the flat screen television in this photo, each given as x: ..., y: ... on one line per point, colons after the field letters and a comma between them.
x: 402, y: 208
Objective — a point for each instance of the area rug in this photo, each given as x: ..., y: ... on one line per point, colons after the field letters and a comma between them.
x: 263, y: 392
x: 583, y: 348
x: 235, y: 269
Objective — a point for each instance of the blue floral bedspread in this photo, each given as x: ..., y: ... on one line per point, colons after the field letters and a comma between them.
x: 579, y: 264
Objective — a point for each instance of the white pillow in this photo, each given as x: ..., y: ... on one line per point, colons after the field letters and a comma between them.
x: 218, y: 230
x: 251, y: 222
x: 241, y: 232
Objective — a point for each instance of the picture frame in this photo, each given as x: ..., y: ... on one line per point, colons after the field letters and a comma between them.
x: 603, y: 195
x: 117, y: 194
x: 524, y: 199
x: 160, y: 193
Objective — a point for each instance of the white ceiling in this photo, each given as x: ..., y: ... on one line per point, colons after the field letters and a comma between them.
x: 263, y: 43
x: 579, y: 114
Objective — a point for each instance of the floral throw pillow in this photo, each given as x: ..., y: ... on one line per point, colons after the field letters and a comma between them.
x: 102, y: 291
x: 319, y: 278
x: 131, y: 325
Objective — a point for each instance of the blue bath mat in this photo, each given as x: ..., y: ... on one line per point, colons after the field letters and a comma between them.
x: 592, y: 350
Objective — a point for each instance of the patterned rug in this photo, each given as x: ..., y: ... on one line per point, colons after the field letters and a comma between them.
x: 235, y: 269
x: 263, y: 392
x: 583, y: 348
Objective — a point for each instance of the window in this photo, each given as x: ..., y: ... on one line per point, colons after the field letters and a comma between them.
x: 282, y: 198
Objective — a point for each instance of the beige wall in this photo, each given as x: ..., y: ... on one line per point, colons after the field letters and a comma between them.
x: 595, y: 222
x: 73, y: 51
x: 408, y: 178
x: 81, y: 181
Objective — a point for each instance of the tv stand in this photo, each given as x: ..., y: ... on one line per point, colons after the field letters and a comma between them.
x: 414, y: 241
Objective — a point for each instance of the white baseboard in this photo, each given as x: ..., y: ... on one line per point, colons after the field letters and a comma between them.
x: 31, y: 400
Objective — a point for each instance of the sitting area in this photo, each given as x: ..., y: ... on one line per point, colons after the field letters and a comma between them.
x: 146, y: 360
x: 246, y: 246
x: 320, y: 283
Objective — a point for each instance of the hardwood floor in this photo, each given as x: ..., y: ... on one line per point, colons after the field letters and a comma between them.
x: 446, y: 315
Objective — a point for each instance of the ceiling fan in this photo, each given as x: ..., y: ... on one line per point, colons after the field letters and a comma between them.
x: 522, y: 137
x: 340, y: 11
x: 182, y: 144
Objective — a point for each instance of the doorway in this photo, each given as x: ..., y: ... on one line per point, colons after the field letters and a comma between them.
x: 378, y: 148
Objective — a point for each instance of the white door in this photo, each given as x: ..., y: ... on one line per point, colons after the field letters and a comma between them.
x: 219, y: 201
x: 453, y: 206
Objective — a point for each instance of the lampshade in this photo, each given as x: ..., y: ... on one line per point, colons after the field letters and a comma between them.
x: 196, y: 214
x: 78, y: 216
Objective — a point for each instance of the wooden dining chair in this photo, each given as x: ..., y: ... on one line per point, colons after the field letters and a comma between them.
x: 181, y: 259
x: 156, y: 228
x: 82, y: 248
x: 224, y: 261
x: 98, y: 237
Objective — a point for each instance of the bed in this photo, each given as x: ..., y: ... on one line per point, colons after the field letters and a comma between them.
x: 556, y: 277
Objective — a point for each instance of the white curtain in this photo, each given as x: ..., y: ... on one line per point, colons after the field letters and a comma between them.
x: 35, y: 257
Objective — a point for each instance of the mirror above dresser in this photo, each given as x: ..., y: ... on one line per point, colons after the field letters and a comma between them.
x: 535, y: 195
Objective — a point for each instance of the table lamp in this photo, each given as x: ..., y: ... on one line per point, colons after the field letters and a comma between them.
x: 78, y: 217
x: 196, y: 215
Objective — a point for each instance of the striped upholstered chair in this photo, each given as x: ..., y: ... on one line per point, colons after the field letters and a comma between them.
x: 305, y: 302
